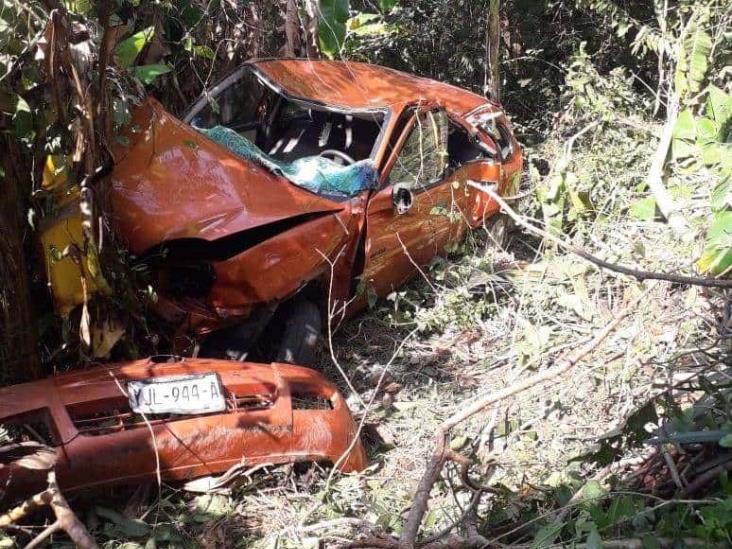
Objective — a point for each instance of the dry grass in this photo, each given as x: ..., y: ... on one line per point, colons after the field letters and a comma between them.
x: 494, y: 320
x: 497, y: 317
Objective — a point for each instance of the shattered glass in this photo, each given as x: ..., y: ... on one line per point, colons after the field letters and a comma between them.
x: 314, y: 173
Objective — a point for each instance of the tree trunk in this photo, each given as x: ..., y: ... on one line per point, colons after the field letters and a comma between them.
x: 292, y: 30
x: 312, y: 44
x: 19, y: 358
x: 492, y: 38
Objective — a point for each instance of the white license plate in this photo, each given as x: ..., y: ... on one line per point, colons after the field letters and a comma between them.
x: 192, y: 394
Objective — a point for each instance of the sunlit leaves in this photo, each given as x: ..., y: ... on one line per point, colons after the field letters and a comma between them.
x: 717, y: 256
x: 705, y: 137
x: 332, y: 18
x: 693, y: 62
x: 387, y: 5
x: 367, y: 24
x: 721, y: 197
x: 129, y: 48
x: 704, y: 140
x: 643, y: 209
x: 719, y: 108
x: 148, y: 73
x: 81, y: 7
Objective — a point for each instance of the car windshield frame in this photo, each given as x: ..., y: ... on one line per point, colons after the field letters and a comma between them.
x: 309, y: 103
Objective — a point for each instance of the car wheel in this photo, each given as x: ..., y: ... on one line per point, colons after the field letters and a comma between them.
x: 301, y: 334
x: 499, y: 228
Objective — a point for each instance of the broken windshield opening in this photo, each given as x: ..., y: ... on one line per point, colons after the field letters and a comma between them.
x: 323, y: 149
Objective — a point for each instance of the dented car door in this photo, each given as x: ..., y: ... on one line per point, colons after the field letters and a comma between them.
x: 401, y: 228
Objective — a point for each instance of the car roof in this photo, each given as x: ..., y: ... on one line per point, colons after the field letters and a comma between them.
x: 362, y: 86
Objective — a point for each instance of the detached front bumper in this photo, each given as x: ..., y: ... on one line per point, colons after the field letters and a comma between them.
x: 274, y: 413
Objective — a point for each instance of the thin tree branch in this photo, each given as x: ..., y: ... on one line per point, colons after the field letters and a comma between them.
x: 635, y: 273
x: 441, y: 454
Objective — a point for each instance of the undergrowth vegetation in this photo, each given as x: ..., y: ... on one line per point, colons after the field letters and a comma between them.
x: 632, y: 448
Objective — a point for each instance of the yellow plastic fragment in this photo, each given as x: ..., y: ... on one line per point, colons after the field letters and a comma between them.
x: 65, y: 258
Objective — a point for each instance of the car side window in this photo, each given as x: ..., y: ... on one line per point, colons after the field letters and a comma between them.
x: 463, y: 148
x: 423, y: 157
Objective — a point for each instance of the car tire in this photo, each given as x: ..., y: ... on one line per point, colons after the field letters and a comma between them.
x: 301, y: 334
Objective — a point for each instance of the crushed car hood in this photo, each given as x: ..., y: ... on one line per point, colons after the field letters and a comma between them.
x: 172, y: 182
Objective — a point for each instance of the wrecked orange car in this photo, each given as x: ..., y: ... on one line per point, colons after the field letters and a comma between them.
x: 185, y: 419
x: 294, y: 188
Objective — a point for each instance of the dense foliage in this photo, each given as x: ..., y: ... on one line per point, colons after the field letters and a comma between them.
x: 597, y: 91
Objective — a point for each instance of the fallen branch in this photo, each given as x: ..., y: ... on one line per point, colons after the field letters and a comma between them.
x: 703, y: 480
x: 441, y: 454
x: 635, y: 273
x: 43, y: 460
x: 66, y: 520
x: 31, y: 504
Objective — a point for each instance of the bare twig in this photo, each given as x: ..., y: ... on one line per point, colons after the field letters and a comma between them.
x: 708, y: 477
x: 440, y: 453
x: 66, y: 520
x: 29, y: 505
x: 635, y: 273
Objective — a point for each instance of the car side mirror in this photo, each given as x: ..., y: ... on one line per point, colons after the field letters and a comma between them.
x: 402, y: 198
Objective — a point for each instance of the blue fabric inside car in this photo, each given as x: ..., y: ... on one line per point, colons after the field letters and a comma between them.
x: 314, y: 173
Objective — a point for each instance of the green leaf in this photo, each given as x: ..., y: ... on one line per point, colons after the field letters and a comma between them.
x: 332, y: 18
x: 367, y: 24
x: 706, y: 130
x: 204, y: 51
x: 581, y: 201
x: 133, y: 528
x: 547, y: 534
x: 361, y: 19
x: 693, y: 62
x: 715, y: 261
x: 717, y: 256
x: 721, y: 196
x: 592, y: 491
x: 719, y: 109
x: 594, y: 541
x: 701, y: 47
x: 621, y: 508
x: 685, y: 127
x: 712, y: 153
x: 720, y: 232
x: 129, y: 48
x: 681, y: 149
x: 726, y: 441
x: 147, y: 73
x: 643, y: 209
x: 387, y: 5
x: 191, y: 15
